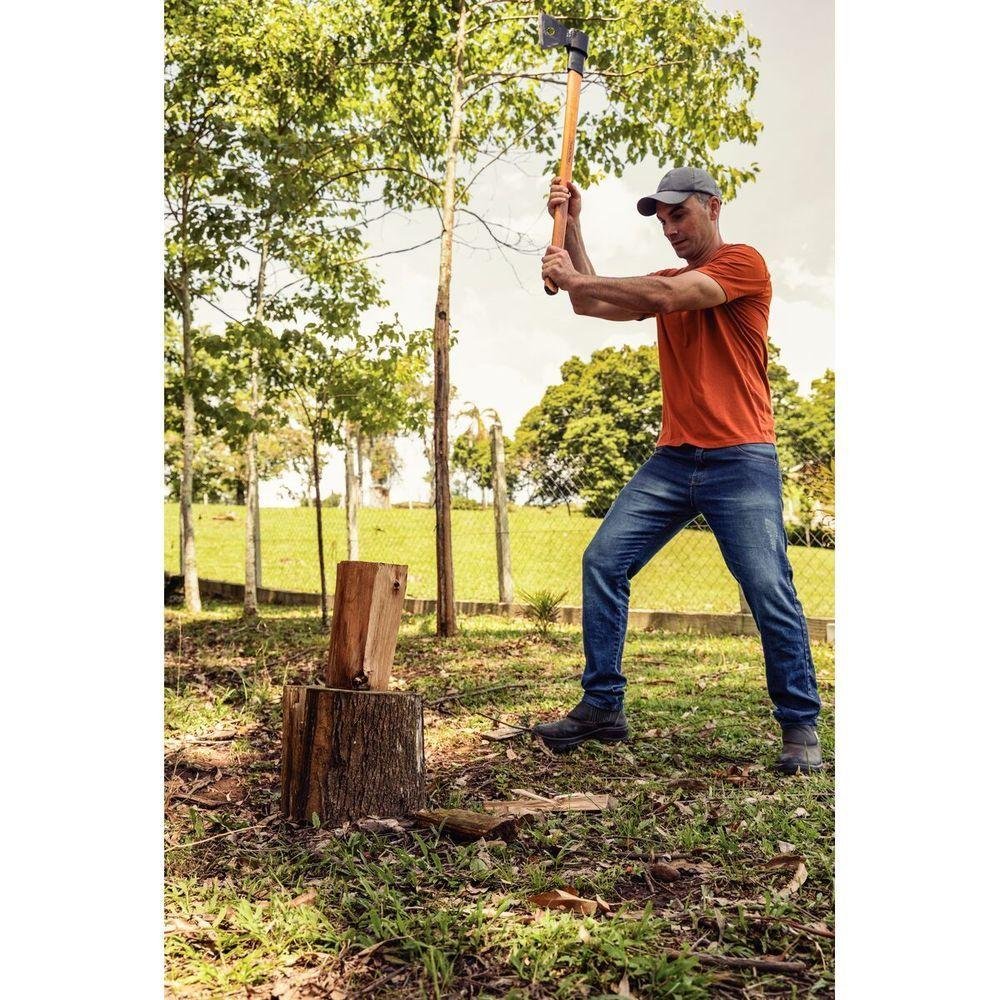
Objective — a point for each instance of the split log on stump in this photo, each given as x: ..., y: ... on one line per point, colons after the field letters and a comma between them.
x: 467, y: 825
x: 367, y: 609
x: 347, y: 754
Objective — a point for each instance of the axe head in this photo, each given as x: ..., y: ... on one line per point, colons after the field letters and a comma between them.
x: 553, y: 34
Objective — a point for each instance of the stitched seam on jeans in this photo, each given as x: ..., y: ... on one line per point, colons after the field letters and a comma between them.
x: 773, y: 459
x: 809, y: 675
x: 623, y: 625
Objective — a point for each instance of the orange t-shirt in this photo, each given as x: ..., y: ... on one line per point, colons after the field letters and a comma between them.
x: 713, y: 362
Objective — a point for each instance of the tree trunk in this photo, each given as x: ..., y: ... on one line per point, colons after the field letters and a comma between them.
x: 346, y: 754
x: 352, y: 497
x: 319, y: 529
x: 429, y: 455
x: 250, y: 553
x: 258, y: 549
x: 189, y: 564
x: 447, y: 622
x: 252, y: 581
x: 505, y: 580
x: 360, y: 445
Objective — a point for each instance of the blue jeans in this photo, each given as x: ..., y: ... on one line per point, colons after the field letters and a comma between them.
x: 738, y: 489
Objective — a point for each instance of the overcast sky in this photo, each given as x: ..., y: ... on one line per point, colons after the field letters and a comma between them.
x: 512, y: 337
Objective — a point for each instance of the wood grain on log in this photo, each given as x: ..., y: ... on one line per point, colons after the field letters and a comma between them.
x: 347, y: 754
x: 367, y: 609
x: 467, y: 825
x: 560, y: 803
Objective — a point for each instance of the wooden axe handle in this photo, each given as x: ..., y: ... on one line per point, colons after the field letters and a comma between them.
x: 566, y: 163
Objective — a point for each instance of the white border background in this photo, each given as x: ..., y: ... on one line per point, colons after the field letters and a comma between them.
x: 917, y: 425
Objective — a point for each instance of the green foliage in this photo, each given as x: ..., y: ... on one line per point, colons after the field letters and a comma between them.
x: 256, y: 83
x: 333, y: 500
x: 542, y: 607
x: 678, y: 81
x: 219, y: 465
x: 586, y: 435
x: 459, y: 502
x: 806, y: 440
x: 474, y: 458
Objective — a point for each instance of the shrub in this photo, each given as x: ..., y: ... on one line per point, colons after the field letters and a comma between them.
x: 542, y: 607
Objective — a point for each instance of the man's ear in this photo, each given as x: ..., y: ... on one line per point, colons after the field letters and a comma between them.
x: 714, y: 208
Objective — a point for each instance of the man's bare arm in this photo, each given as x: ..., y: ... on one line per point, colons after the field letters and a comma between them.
x: 647, y: 295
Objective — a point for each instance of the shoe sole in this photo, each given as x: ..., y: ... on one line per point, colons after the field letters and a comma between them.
x: 791, y: 769
x: 613, y: 734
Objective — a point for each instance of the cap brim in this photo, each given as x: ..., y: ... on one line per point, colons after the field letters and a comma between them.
x: 647, y: 206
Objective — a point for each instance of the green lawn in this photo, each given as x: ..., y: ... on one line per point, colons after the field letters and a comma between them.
x: 257, y: 908
x: 546, y: 549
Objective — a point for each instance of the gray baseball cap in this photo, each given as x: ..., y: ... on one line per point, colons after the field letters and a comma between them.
x: 678, y: 185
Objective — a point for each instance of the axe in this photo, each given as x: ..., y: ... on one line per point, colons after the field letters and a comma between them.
x: 552, y: 33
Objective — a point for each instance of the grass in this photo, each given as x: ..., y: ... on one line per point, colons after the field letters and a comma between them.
x: 546, y: 551
x: 256, y: 907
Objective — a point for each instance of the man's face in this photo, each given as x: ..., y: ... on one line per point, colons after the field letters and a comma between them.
x: 690, y: 226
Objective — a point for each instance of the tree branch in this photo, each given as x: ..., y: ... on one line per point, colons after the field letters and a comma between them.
x: 534, y: 17
x: 496, y: 239
x: 632, y: 72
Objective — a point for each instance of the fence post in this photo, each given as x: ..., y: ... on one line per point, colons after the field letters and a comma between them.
x: 504, y: 576
x: 352, y: 496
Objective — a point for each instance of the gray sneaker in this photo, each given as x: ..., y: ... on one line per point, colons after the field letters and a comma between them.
x: 800, y: 751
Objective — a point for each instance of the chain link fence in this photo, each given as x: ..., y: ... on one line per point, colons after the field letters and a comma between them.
x: 554, y: 511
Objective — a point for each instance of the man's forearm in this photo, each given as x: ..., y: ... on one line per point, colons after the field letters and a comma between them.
x: 642, y: 294
x: 577, y: 251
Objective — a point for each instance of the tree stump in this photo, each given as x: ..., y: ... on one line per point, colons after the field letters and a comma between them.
x: 347, y: 754
x: 353, y: 748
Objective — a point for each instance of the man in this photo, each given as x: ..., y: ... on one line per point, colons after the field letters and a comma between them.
x: 715, y: 456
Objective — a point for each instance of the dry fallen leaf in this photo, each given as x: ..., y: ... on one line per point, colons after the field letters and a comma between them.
x: 794, y: 861
x: 181, y: 926
x: 688, y: 784
x: 306, y: 897
x: 511, y: 754
x: 502, y: 733
x: 663, y: 872
x: 623, y: 987
x: 564, y: 899
x: 800, y: 813
x: 784, y: 847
